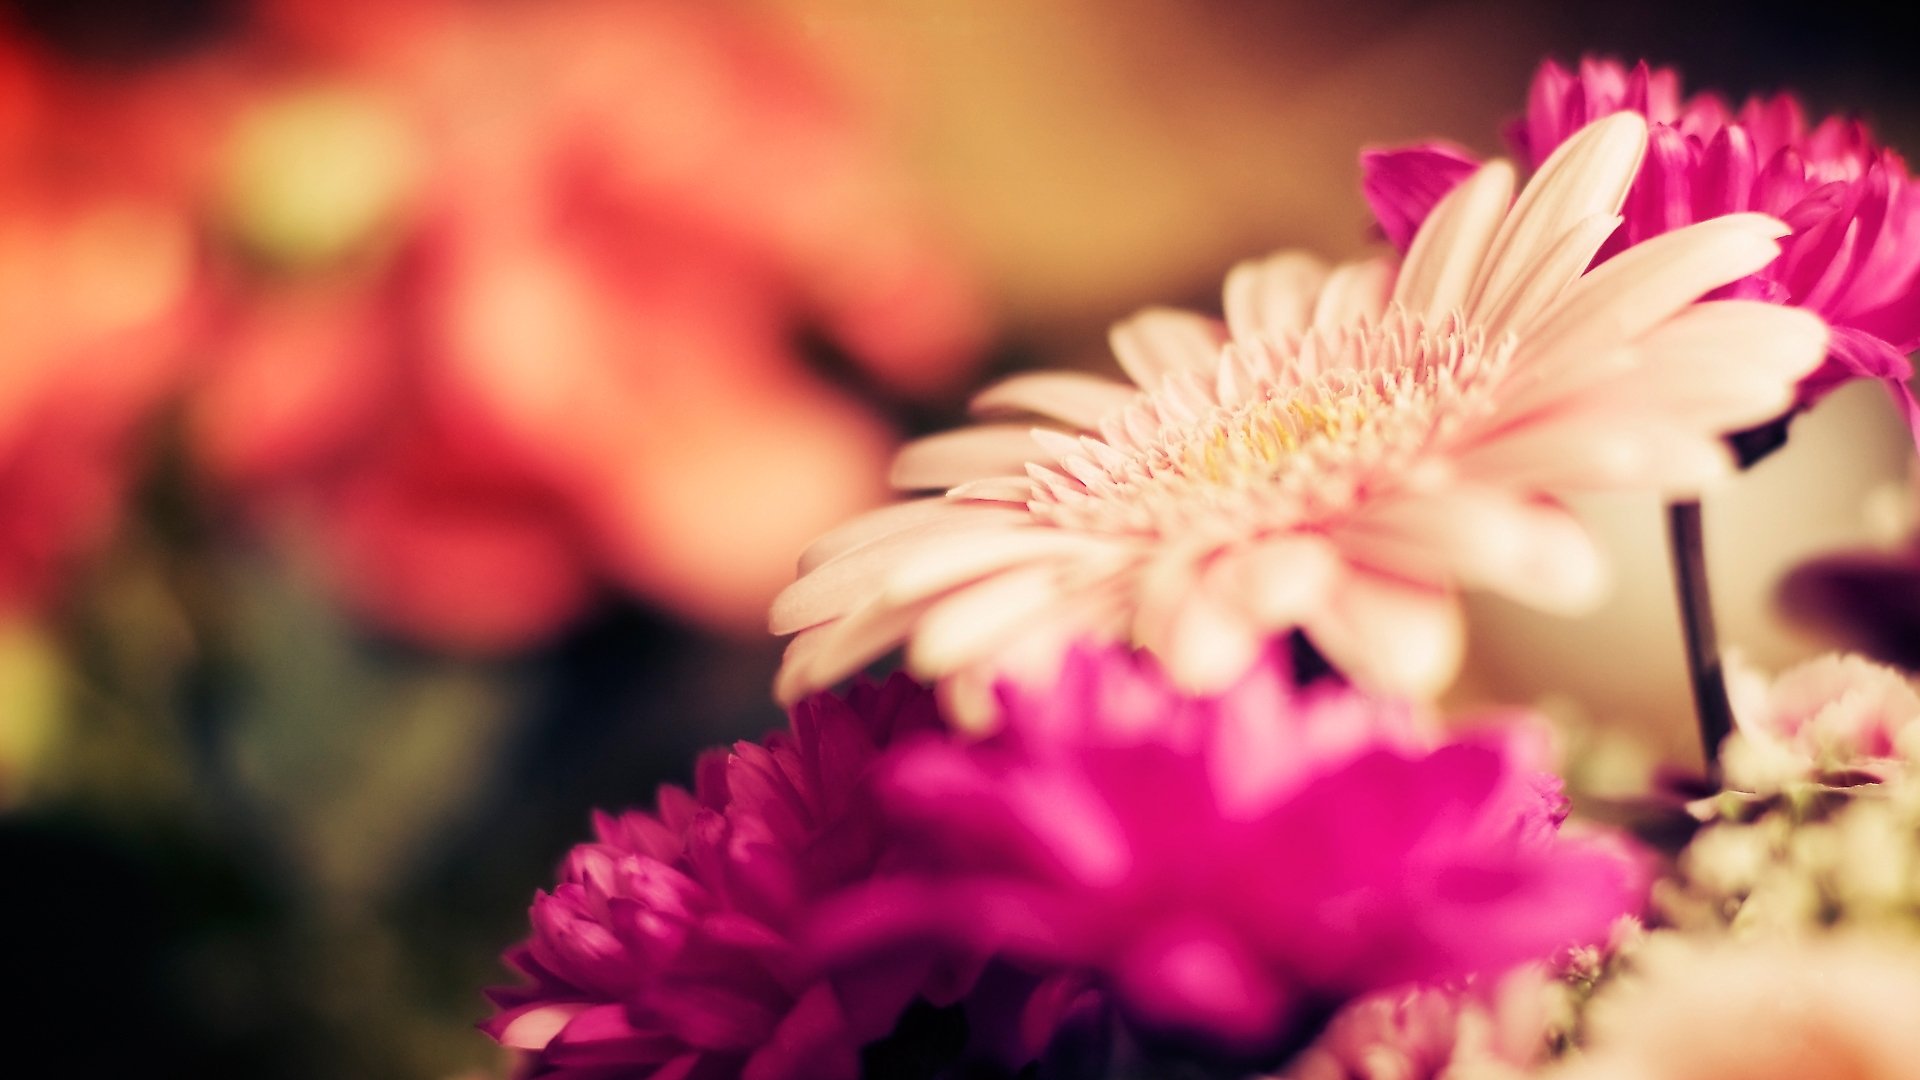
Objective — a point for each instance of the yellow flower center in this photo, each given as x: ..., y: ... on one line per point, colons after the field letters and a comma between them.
x: 1291, y: 433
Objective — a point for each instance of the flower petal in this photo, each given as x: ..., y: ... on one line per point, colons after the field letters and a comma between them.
x: 1587, y: 176
x: 1273, y: 296
x: 1074, y: 398
x: 1390, y: 634
x: 1637, y: 290
x: 954, y: 457
x: 855, y: 575
x: 1446, y: 256
x: 1159, y: 342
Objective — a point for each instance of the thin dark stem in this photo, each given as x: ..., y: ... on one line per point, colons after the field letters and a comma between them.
x: 1710, y: 704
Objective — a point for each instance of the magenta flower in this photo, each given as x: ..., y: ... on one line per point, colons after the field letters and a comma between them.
x: 1853, y: 256
x: 1230, y: 867
x: 667, y: 948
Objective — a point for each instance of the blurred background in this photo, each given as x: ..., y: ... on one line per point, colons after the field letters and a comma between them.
x: 408, y: 407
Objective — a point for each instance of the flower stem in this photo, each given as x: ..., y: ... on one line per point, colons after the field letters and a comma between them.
x: 1710, y: 703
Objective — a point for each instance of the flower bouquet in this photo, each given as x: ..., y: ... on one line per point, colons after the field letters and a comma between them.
x: 1163, y: 790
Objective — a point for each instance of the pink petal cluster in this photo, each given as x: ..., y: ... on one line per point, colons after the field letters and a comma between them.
x: 1436, y: 1032
x: 540, y: 333
x: 668, y: 949
x: 98, y: 296
x: 1231, y: 866
x: 1339, y: 456
x: 1832, y: 717
x: 1852, y: 257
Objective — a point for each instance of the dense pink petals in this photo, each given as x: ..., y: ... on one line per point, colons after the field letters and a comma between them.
x: 1403, y: 185
x: 669, y: 947
x: 1226, y: 864
x: 1851, y: 210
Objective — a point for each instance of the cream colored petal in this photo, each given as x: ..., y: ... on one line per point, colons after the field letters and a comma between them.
x: 1560, y: 454
x: 1531, y: 551
x: 1087, y: 614
x: 1354, y: 291
x: 1587, y: 176
x: 969, y: 625
x: 1068, y: 396
x: 1203, y: 641
x: 1273, y: 296
x: 1005, y: 489
x: 857, y: 574
x: 1647, y: 284
x: 1722, y: 365
x: 1532, y: 295
x: 971, y: 453
x: 1210, y: 644
x: 824, y: 655
x: 1450, y: 248
x: 875, y: 524
x: 1170, y: 575
x: 948, y: 561
x: 1279, y: 580
x: 1389, y: 635
x: 1159, y: 342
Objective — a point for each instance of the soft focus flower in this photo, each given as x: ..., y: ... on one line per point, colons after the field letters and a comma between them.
x: 1834, y: 717
x: 1446, y: 1032
x: 1230, y: 865
x: 1867, y: 599
x: 1350, y: 446
x: 1852, y: 257
x: 1709, y: 1010
x: 667, y: 949
x: 98, y: 292
x: 524, y: 310
x: 1817, y: 858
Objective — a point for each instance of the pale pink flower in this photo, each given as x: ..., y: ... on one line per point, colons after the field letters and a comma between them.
x: 1851, y: 257
x: 1437, y: 1032
x: 1344, y: 451
x: 1836, y: 716
x: 1824, y: 1007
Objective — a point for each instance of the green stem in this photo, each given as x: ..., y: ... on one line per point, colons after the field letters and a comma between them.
x: 1685, y: 540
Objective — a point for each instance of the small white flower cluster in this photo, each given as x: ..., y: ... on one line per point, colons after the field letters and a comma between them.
x: 1804, y: 862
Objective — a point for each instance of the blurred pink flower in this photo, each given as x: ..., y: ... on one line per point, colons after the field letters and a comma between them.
x: 667, y: 949
x: 1229, y: 866
x: 1344, y: 452
x: 536, y: 329
x: 98, y: 295
x: 1757, y: 1010
x: 1833, y: 717
x: 1852, y: 257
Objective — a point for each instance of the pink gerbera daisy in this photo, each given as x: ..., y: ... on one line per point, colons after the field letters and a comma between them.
x: 1345, y: 450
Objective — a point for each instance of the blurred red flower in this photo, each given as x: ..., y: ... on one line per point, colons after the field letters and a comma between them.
x: 522, y: 301
x: 99, y: 293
